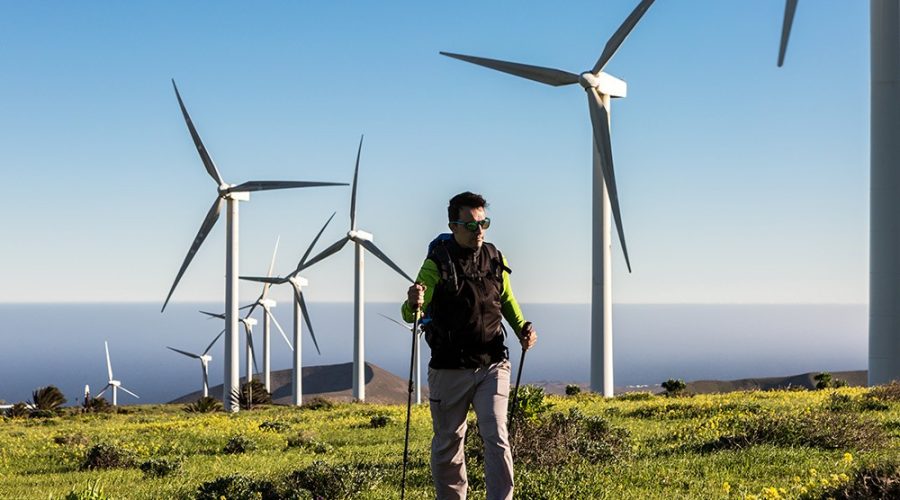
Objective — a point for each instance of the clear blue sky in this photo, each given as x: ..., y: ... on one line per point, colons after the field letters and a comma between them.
x: 739, y: 182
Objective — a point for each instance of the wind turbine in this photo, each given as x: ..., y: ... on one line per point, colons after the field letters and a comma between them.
x: 112, y: 382
x: 600, y: 87
x: 300, y: 311
x: 363, y: 241
x: 204, y: 358
x: 884, y: 202
x: 267, y: 304
x: 230, y: 195
x: 248, y: 323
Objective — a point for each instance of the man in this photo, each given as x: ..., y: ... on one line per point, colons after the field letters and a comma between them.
x: 463, y: 286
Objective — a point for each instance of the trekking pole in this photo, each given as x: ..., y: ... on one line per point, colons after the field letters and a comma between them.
x: 412, y: 364
x: 512, y: 412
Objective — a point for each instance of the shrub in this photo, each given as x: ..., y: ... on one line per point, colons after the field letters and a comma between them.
x: 873, y: 481
x: 206, y: 404
x: 824, y: 430
x: 573, y: 389
x: 824, y: 380
x: 886, y: 392
x: 529, y: 405
x: 336, y: 481
x: 238, y: 487
x: 635, y: 396
x: 274, y: 425
x: 160, y: 467
x: 318, y: 403
x: 558, y: 439
x: 18, y: 410
x: 75, y: 439
x: 107, y: 456
x: 48, y: 398
x: 844, y: 402
x: 303, y: 440
x: 96, y: 405
x: 42, y: 414
x: 674, y: 387
x: 380, y: 420
x: 238, y: 444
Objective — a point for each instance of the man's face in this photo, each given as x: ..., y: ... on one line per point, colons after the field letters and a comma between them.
x: 464, y: 237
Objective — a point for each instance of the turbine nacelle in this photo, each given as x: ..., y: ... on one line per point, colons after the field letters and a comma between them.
x: 268, y: 303
x: 249, y: 321
x: 206, y: 358
x: 115, y: 383
x: 360, y: 235
x: 604, y: 83
x: 299, y: 281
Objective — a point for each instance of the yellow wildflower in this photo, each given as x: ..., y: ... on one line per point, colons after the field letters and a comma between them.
x: 848, y: 458
x: 726, y: 487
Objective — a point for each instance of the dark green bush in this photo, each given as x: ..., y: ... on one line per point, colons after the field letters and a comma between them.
x: 530, y: 403
x: 96, y: 405
x: 674, y: 387
x: 336, y: 481
x: 206, y: 404
x: 238, y: 444
x: 573, y: 389
x: 239, y: 487
x: 380, y: 420
x: 886, y: 392
x: 18, y: 410
x: 274, y: 426
x: 251, y: 394
x: 48, y: 399
x: 107, y: 456
x: 872, y: 481
x: 845, y: 402
x: 303, y: 440
x: 75, y: 439
x: 318, y: 403
x: 824, y: 380
x: 635, y: 396
x: 160, y: 467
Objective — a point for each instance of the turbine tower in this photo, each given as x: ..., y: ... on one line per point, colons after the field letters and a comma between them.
x: 363, y: 241
x: 112, y: 383
x: 884, y: 187
x: 300, y: 311
x: 248, y: 323
x: 230, y: 195
x: 600, y: 88
x: 204, y: 358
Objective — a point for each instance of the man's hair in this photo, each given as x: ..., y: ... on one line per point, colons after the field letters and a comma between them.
x: 467, y: 199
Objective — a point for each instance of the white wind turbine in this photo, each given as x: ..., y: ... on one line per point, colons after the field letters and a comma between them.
x: 204, y: 358
x: 267, y: 304
x: 363, y: 241
x: 230, y: 195
x: 300, y: 311
x: 600, y: 87
x: 112, y: 382
x: 248, y: 323
x: 884, y: 202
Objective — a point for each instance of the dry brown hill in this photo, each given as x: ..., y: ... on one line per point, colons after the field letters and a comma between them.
x: 330, y: 381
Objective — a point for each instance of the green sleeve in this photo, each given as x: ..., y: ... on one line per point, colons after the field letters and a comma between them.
x: 428, y: 276
x: 509, y: 306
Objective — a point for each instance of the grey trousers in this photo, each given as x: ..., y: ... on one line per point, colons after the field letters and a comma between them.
x: 451, y: 393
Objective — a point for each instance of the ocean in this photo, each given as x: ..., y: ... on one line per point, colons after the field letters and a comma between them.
x: 62, y: 344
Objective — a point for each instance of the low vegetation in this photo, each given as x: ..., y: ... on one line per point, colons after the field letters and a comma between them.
x: 829, y: 443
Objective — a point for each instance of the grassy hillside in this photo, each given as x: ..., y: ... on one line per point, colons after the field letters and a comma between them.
x: 779, y: 444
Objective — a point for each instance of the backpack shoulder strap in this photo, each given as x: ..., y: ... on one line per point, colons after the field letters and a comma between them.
x: 496, y: 259
x: 440, y: 254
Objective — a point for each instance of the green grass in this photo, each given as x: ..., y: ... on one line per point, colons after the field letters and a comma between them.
x: 669, y: 453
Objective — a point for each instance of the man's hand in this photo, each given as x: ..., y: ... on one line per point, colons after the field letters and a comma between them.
x: 528, y: 336
x: 415, y: 296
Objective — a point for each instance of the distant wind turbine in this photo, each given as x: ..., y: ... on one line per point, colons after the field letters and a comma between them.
x: 300, y: 311
x: 363, y: 241
x: 228, y: 194
x: 112, y: 383
x: 248, y: 323
x: 417, y: 379
x: 884, y: 184
x: 600, y: 87
x: 204, y: 358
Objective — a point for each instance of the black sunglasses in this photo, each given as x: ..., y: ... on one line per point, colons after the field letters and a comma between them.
x: 473, y: 226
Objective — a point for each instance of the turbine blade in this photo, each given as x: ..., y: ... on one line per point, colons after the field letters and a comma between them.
x: 270, y: 185
x: 402, y: 325
x: 129, y: 392
x: 612, y: 45
x: 540, y: 74
x: 600, y: 121
x: 247, y: 306
x: 211, y: 344
x: 108, y: 363
x: 99, y: 394
x: 213, y: 315
x: 308, y: 322
x: 211, y: 217
x: 355, y: 178
x: 790, y: 7
x: 204, y: 154
x: 265, y: 291
x: 370, y: 246
x: 263, y: 279
x: 188, y: 354
x: 334, y: 248
x: 278, y: 325
x: 314, y: 241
